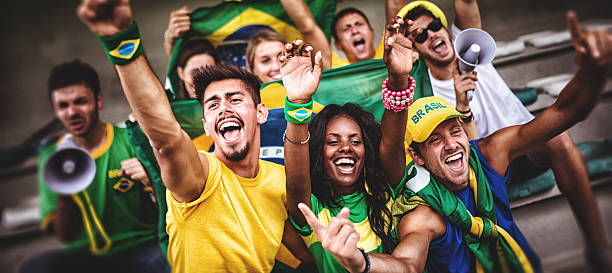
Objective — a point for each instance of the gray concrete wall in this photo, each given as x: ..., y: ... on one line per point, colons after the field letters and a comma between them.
x: 39, y: 34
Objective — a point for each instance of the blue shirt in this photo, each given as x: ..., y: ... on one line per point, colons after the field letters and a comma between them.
x: 449, y: 253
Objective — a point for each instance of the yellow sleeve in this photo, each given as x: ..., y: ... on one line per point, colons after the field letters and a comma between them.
x: 185, y: 210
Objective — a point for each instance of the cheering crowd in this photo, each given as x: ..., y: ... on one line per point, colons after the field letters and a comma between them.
x: 423, y: 190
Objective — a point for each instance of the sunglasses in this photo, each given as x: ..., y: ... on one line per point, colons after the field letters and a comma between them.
x: 434, y: 26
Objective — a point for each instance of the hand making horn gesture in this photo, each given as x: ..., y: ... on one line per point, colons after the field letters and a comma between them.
x: 399, y: 54
x: 300, y: 77
x: 339, y: 238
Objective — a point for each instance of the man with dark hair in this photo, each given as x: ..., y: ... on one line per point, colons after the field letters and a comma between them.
x: 109, y: 226
x: 354, y: 36
x: 226, y: 210
x: 494, y: 107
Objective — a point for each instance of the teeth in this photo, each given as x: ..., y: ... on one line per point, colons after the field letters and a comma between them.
x: 344, y: 161
x: 229, y: 124
x: 455, y: 157
x: 438, y: 43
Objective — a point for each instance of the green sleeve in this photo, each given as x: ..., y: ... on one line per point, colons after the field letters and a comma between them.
x: 48, y: 198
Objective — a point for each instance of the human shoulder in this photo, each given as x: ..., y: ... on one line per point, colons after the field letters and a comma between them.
x: 422, y: 220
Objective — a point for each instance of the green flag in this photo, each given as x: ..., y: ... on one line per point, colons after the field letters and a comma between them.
x: 230, y: 24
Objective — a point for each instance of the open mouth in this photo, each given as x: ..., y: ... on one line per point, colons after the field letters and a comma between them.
x: 276, y: 76
x: 455, y: 162
x: 345, y: 165
x: 77, y: 124
x: 229, y: 130
x: 359, y: 45
x: 439, y: 47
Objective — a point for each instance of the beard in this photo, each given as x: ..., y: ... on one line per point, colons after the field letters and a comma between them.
x: 237, y: 153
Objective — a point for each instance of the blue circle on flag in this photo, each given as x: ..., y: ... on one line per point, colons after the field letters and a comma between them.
x: 126, y: 49
x: 124, y: 185
x: 301, y: 114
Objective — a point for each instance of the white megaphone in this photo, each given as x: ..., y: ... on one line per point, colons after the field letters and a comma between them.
x: 474, y: 47
x: 70, y: 169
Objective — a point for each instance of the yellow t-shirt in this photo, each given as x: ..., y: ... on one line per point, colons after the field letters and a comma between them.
x: 338, y: 61
x: 236, y: 225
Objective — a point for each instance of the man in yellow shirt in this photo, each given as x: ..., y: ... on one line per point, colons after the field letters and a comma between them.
x: 226, y: 210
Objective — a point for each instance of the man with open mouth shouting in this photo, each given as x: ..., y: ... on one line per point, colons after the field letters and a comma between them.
x: 226, y: 210
x: 454, y: 215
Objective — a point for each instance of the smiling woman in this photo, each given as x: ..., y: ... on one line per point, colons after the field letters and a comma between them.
x: 262, y: 54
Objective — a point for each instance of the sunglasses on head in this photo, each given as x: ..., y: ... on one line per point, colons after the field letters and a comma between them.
x: 435, y: 25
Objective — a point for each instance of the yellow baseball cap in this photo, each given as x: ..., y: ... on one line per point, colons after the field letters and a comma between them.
x: 425, y: 114
x: 431, y: 7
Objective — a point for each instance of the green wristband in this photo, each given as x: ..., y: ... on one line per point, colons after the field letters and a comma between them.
x: 298, y: 113
x: 123, y: 47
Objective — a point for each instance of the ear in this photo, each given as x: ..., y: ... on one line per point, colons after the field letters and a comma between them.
x: 262, y: 114
x: 418, y: 159
x: 338, y: 45
x: 204, y: 126
x: 179, y: 71
x: 99, y: 100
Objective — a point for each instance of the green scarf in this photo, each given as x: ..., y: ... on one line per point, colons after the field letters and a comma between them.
x: 495, y: 250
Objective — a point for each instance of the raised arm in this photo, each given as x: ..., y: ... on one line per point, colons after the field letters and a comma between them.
x: 311, y: 32
x: 301, y: 80
x: 576, y: 101
x: 178, y: 24
x: 392, y: 7
x: 398, y: 57
x: 467, y: 14
x: 183, y: 170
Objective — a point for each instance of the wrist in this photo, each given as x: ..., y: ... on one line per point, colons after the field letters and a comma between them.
x: 299, y: 100
x: 463, y: 109
x: 364, y: 265
x: 298, y: 113
x: 398, y: 82
x: 123, y: 47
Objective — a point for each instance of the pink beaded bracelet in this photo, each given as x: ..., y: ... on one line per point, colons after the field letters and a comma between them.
x: 398, y: 100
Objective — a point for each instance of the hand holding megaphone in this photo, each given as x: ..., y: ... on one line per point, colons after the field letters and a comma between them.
x: 70, y: 169
x: 474, y: 47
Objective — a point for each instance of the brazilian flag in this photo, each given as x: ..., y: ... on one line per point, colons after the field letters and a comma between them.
x: 230, y: 24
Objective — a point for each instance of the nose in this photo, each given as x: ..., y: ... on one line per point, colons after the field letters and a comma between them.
x: 71, y: 110
x: 275, y: 66
x: 345, y: 147
x: 224, y: 107
x: 450, y: 144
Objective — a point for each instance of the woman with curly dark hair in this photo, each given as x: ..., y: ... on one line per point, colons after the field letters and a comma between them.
x: 341, y: 165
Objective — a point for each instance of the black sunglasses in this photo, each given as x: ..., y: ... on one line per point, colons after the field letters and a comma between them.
x: 435, y: 25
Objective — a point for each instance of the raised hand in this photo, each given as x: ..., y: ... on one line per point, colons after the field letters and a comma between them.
x: 463, y: 83
x: 592, y: 46
x: 178, y: 25
x: 339, y: 238
x: 105, y: 17
x: 300, y: 77
x: 134, y: 169
x: 399, y: 54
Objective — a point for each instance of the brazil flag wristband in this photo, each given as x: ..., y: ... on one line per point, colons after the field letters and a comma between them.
x: 298, y: 113
x: 123, y: 47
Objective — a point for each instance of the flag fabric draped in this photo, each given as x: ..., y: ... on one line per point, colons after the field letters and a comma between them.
x: 230, y: 24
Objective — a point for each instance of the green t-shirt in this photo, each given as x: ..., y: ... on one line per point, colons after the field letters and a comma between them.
x: 125, y: 211
x: 358, y: 207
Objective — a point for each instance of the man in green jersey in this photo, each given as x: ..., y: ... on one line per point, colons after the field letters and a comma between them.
x: 111, y: 224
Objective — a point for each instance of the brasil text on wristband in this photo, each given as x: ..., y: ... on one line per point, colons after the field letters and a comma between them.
x: 298, y: 113
x: 123, y: 47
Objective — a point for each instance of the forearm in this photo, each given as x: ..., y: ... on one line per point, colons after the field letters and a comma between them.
x: 581, y: 94
x: 67, y: 219
x: 393, y: 130
x: 467, y: 14
x: 297, y: 169
x: 148, y: 102
x: 392, y: 152
x: 392, y: 7
x: 382, y: 263
x: 311, y: 32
